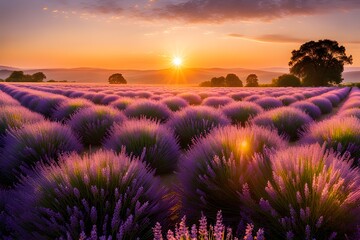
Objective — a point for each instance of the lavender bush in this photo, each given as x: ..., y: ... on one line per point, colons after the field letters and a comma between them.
x: 13, y: 117
x: 191, y: 98
x: 149, y: 109
x: 6, y: 100
x: 217, y: 102
x: 93, y: 123
x: 323, y: 103
x: 241, y: 112
x: 175, y: 103
x: 268, y: 103
x: 220, y: 166
x: 340, y: 134
x: 35, y: 142
x: 149, y: 139
x: 67, y: 108
x: 287, y: 121
x: 287, y: 100
x: 309, y: 108
x: 122, y: 103
x: 104, y: 195
x: 313, y: 194
x: 194, y: 122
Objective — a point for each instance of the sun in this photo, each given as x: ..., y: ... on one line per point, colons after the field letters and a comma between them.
x: 177, y: 61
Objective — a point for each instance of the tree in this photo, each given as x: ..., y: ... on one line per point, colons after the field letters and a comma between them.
x: 205, y: 84
x: 218, y: 82
x: 319, y: 63
x: 287, y: 80
x: 15, y: 76
x: 252, y: 81
x: 19, y: 76
x: 232, y: 80
x: 38, y: 77
x: 117, y: 78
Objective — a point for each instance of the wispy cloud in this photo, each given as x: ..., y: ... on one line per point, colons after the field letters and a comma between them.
x: 215, y: 10
x: 279, y: 38
x: 271, y: 38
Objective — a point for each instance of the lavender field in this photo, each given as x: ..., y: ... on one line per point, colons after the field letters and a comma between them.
x: 150, y: 162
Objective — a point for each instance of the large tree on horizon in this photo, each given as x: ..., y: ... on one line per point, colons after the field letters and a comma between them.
x: 319, y: 63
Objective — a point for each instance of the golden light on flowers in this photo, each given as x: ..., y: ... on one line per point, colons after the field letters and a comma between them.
x: 244, y: 145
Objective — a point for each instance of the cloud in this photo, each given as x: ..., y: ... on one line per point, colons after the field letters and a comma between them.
x: 270, y: 38
x: 216, y: 10
x: 279, y: 38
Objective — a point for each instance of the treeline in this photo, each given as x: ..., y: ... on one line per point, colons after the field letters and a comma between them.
x: 231, y: 80
x: 19, y: 76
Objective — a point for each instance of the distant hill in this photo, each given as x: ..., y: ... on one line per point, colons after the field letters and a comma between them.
x: 191, y: 76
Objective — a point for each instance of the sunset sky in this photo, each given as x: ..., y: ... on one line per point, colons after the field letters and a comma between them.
x: 130, y: 34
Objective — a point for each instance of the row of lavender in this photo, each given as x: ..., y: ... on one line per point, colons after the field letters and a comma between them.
x: 239, y: 181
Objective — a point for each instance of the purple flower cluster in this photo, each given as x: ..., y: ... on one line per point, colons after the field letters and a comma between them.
x: 93, y: 123
x: 103, y: 195
x: 153, y: 142
x: 37, y: 142
x: 193, y: 122
x: 205, y: 231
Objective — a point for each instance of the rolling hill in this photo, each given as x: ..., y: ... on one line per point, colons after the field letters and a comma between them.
x: 192, y: 76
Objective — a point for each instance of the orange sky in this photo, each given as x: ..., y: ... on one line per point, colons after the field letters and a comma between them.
x: 148, y: 34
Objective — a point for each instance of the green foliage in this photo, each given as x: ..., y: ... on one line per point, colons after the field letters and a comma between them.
x: 117, y: 78
x: 287, y: 80
x: 319, y: 63
x: 252, y: 81
x: 19, y: 76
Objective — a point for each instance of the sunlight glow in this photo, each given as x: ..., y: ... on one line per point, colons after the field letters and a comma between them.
x: 177, y: 61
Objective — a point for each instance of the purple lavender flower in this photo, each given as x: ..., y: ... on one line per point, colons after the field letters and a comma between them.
x: 214, y: 171
x: 42, y: 141
x: 309, y: 108
x: 14, y: 117
x: 217, y: 102
x: 191, y: 98
x: 93, y: 123
x: 67, y: 108
x: 328, y: 187
x: 268, y: 103
x: 341, y: 134
x: 149, y: 109
x: 193, y: 122
x: 44, y: 206
x: 175, y: 103
x: 241, y: 112
x: 122, y: 103
x: 149, y: 139
x: 323, y: 103
x: 287, y: 121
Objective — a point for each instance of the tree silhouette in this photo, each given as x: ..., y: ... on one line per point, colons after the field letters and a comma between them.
x: 117, y: 78
x: 252, y: 81
x: 232, y: 80
x: 38, y: 77
x: 19, y: 76
x: 287, y: 80
x: 205, y: 84
x: 218, y: 82
x: 319, y: 63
